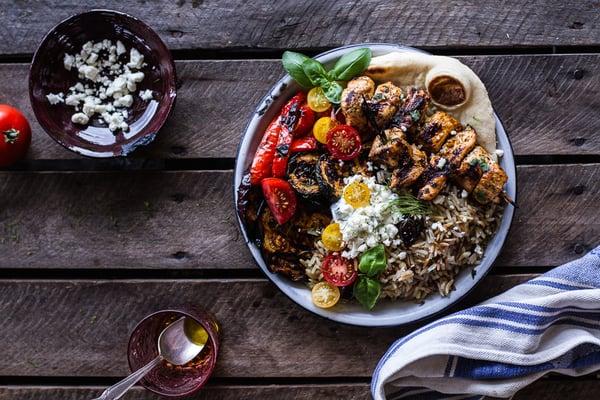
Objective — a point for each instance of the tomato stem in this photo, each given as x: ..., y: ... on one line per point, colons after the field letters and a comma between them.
x: 11, y: 135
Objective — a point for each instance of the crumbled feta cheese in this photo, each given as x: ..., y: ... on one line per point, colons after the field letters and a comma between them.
x: 56, y: 98
x: 453, y: 132
x: 68, y: 61
x: 499, y: 152
x: 136, y: 59
x: 120, y: 48
x: 124, y: 101
x: 146, y: 95
x: 107, y: 85
x: 365, y: 227
x: 80, y: 118
x: 464, y: 194
x: 441, y: 163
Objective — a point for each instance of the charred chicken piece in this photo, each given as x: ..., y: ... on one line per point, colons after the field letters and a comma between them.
x: 472, y: 168
x: 436, y: 130
x: 390, y: 150
x: 412, y: 170
x: 405, y: 160
x: 447, y: 159
x: 384, y: 104
x: 490, y: 185
x: 411, y: 114
x: 354, y: 98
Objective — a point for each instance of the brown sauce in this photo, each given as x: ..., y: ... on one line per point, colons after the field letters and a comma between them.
x: 447, y: 91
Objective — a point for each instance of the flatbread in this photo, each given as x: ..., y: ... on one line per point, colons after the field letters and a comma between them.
x: 407, y: 69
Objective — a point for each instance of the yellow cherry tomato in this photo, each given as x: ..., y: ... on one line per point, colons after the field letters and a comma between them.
x: 325, y: 295
x: 357, y: 194
x: 317, y: 101
x: 332, y: 237
x: 322, y: 126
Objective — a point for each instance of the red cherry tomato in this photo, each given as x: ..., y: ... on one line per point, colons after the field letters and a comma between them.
x: 343, y: 142
x: 281, y: 199
x: 263, y: 158
x: 307, y: 143
x: 338, y: 270
x: 15, y: 135
x: 288, y: 120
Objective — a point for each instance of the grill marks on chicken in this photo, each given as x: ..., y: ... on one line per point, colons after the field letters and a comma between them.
x: 436, y: 130
x: 446, y: 160
x: 367, y: 108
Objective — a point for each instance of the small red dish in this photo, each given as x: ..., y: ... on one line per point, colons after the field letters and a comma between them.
x: 47, y: 75
x: 166, y: 379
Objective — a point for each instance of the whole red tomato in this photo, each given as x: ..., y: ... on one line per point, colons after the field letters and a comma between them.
x: 15, y: 135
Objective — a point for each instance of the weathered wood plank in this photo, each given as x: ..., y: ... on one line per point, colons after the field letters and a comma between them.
x: 543, y: 389
x: 210, y: 392
x: 185, y: 220
x: 264, y: 333
x: 231, y: 24
x: 545, y: 105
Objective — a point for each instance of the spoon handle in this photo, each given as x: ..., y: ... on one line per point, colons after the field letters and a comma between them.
x: 120, y: 388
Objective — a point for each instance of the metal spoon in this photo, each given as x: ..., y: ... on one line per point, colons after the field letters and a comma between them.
x: 173, y: 346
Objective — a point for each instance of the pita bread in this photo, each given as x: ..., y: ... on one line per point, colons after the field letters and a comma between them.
x: 407, y: 69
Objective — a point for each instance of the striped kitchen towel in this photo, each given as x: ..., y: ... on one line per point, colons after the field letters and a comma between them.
x: 549, y: 324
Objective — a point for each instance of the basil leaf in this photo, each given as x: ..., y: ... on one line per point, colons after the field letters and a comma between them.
x: 351, y: 64
x: 333, y: 91
x: 292, y: 63
x: 315, y: 72
x: 367, y: 291
x: 373, y: 261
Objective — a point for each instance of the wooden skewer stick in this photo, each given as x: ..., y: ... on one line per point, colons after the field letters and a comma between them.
x: 508, y: 199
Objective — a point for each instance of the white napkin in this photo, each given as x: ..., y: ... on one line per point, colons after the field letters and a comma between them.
x: 551, y: 323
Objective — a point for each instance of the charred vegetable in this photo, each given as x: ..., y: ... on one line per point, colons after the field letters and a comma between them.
x: 331, y: 174
x: 302, y: 175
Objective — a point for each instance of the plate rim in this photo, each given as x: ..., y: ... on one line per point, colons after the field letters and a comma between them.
x: 343, y: 317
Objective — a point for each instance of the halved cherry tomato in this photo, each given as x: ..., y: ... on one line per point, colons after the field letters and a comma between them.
x: 357, y: 194
x: 307, y: 143
x: 332, y: 237
x: 322, y: 127
x: 339, y: 271
x: 262, y: 164
x: 290, y: 115
x: 325, y: 295
x: 281, y: 199
x: 317, y: 101
x: 15, y: 135
x: 343, y: 142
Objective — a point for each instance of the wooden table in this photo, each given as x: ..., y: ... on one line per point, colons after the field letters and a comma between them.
x: 88, y: 247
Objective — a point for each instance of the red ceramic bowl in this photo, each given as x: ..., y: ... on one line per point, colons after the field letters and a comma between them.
x: 47, y: 75
x: 166, y: 379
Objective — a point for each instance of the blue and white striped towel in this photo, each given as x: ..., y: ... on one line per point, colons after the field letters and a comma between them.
x: 551, y: 323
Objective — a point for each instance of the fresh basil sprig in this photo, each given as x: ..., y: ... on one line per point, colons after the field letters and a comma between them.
x: 311, y: 73
x: 373, y: 261
x: 367, y: 291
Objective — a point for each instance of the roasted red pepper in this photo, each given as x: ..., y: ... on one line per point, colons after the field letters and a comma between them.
x: 290, y: 115
x: 307, y: 143
x: 263, y: 159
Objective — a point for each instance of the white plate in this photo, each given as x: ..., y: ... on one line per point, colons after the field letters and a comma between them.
x: 385, y: 313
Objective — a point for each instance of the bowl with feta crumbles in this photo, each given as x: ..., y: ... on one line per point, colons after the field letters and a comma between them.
x: 102, y: 83
x: 375, y: 184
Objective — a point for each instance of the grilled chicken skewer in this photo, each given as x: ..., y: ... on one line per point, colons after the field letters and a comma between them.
x: 447, y: 159
x: 480, y: 175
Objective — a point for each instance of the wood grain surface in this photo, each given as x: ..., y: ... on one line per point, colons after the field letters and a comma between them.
x: 543, y: 389
x: 262, y: 24
x: 545, y: 102
x: 186, y: 220
x: 81, y: 327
